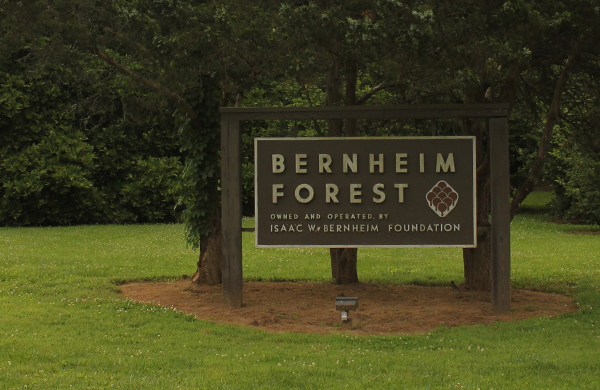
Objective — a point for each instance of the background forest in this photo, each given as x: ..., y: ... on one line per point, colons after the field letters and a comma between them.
x: 109, y: 109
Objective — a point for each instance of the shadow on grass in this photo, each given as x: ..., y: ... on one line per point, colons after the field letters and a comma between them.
x: 537, y: 203
x: 149, y: 279
x: 535, y: 209
x: 587, y: 230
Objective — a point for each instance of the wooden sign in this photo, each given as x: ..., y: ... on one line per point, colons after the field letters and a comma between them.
x: 361, y: 192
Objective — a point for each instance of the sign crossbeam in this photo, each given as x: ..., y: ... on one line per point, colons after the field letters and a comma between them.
x: 231, y: 180
x: 369, y: 112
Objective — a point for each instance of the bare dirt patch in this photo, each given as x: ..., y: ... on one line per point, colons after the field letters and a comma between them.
x: 310, y: 307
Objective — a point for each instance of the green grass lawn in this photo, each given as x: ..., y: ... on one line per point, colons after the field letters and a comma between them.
x: 63, y: 324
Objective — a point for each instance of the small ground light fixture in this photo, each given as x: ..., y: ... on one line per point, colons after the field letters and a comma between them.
x: 345, y: 304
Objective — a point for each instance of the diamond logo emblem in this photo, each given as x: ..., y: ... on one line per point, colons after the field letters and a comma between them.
x: 442, y: 198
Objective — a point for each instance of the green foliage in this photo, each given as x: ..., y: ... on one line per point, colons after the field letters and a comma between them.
x: 72, y: 154
x: 201, y: 146
x: 575, y: 167
x: 46, y: 169
x: 578, y: 191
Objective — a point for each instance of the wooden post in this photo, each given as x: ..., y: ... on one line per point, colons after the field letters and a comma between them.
x: 231, y: 210
x: 500, y: 189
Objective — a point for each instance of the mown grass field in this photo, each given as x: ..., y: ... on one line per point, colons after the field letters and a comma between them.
x: 64, y: 325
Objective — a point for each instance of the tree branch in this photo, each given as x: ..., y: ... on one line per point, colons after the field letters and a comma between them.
x: 157, y: 87
x: 110, y: 30
x: 509, y: 89
x: 553, y: 115
x: 373, y: 91
x: 592, y: 56
x: 484, y: 168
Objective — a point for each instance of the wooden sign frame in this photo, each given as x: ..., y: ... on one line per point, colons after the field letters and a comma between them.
x: 231, y: 179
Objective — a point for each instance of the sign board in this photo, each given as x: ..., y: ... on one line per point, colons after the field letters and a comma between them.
x: 361, y: 192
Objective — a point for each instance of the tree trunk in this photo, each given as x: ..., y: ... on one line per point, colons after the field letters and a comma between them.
x: 209, y: 269
x: 351, y: 79
x: 343, y: 260
x: 343, y: 265
x: 537, y: 168
x: 477, y: 261
x: 210, y: 262
x: 333, y: 97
